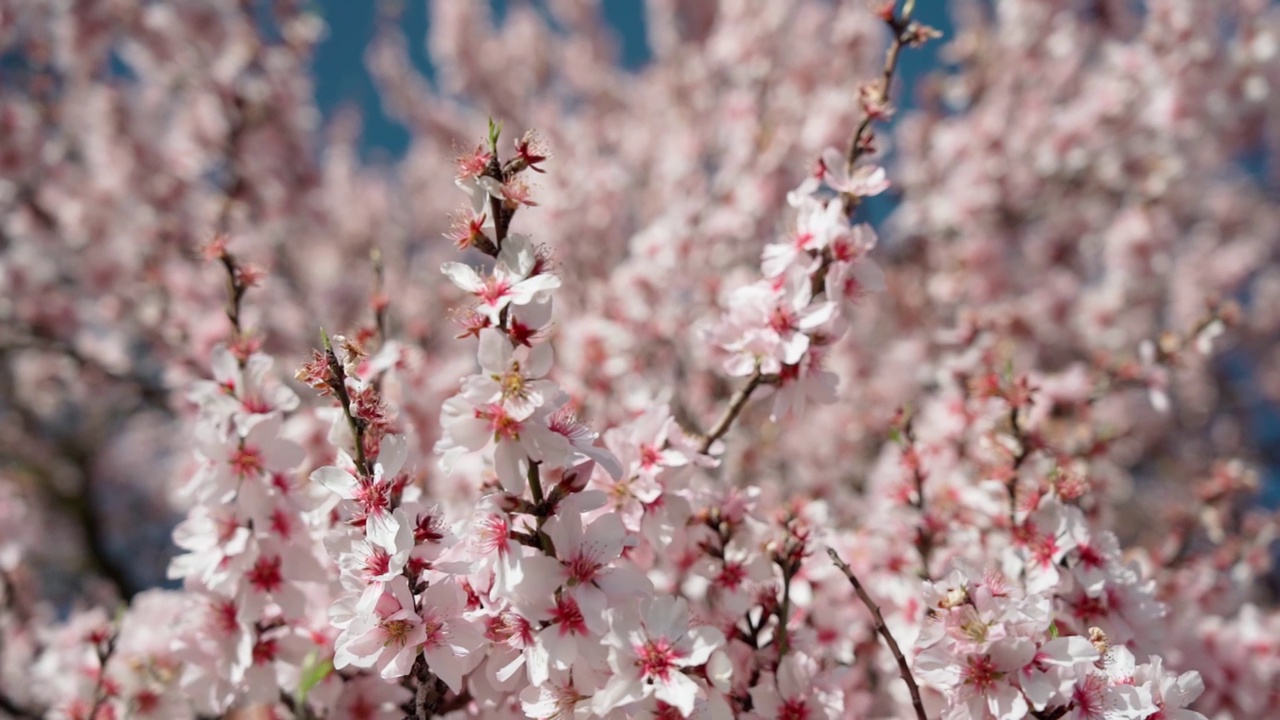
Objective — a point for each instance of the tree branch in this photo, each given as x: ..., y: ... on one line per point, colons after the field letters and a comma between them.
x: 736, y: 404
x: 904, y: 669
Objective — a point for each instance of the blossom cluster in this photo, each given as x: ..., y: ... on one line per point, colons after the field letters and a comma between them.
x: 663, y: 429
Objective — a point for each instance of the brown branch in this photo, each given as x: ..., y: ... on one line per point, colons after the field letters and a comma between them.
x: 903, y: 668
x: 338, y: 383
x: 430, y: 693
x: 11, y: 708
x: 736, y: 404
x: 105, y: 650
x: 379, y: 296
x: 858, y: 146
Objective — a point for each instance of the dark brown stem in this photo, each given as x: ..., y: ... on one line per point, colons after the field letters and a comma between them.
x: 429, y: 695
x: 904, y: 669
x: 12, y: 709
x: 339, y: 386
x: 924, y: 537
x: 535, y: 486
x: 1024, y: 451
x: 784, y: 614
x: 502, y: 215
x: 858, y: 144
x: 379, y: 296
x: 736, y: 404
x: 104, y: 657
x: 235, y: 291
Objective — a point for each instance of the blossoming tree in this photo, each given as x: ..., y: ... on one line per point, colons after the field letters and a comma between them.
x: 664, y: 429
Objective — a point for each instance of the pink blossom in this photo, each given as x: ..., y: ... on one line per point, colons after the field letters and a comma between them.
x: 649, y: 653
x: 512, y: 281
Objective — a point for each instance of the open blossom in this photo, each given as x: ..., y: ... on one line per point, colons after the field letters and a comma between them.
x: 583, y: 440
x: 864, y: 181
x: 389, y: 638
x: 818, y: 224
x: 1171, y: 692
x: 242, y: 394
x: 470, y: 427
x: 591, y: 571
x: 366, y: 565
x: 795, y: 692
x: 512, y: 376
x: 769, y: 324
x: 650, y: 652
x: 236, y: 464
x: 513, y: 280
x: 371, y: 496
x: 1054, y: 669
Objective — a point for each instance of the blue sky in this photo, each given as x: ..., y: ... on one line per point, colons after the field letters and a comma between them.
x: 341, y: 77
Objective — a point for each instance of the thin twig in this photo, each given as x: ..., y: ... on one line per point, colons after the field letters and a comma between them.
x: 858, y: 146
x: 736, y: 404
x: 379, y: 296
x: 104, y: 657
x: 11, y: 708
x: 338, y: 383
x: 903, y: 668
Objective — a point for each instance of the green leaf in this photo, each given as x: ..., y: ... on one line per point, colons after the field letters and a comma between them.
x: 1053, y: 630
x: 313, y: 673
x: 495, y: 130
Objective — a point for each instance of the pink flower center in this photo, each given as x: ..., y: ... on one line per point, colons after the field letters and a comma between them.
x: 429, y: 528
x: 255, y: 405
x: 362, y: 709
x: 373, y: 497
x: 494, y: 290
x: 491, y: 534
x: 793, y: 709
x: 981, y: 674
x: 435, y: 632
x: 501, y: 424
x: 650, y: 456
x: 265, y: 575
x: 731, y: 576
x: 1043, y: 550
x: 264, y: 651
x: 1089, y: 557
x: 396, y: 632
x: 1089, y: 608
x: 582, y: 567
x: 146, y: 702
x: 1088, y: 698
x: 782, y: 321
x: 568, y: 616
x: 656, y: 659
x: 246, y: 461
x: 224, y: 617
x: 281, y: 524
x: 377, y: 563
x: 473, y: 164
x: 852, y: 288
x: 510, y: 629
